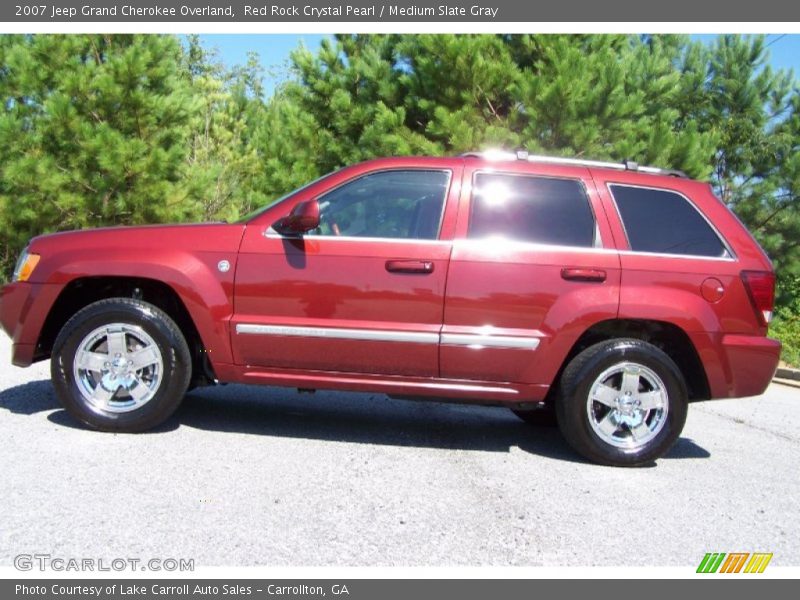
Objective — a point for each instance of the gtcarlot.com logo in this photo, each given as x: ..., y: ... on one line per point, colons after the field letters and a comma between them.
x: 47, y: 562
x: 734, y: 562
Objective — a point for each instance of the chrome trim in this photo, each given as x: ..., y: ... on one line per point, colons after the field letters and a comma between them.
x: 489, y: 341
x: 626, y: 165
x: 684, y: 256
x: 271, y: 234
x: 478, y: 340
x: 382, y: 335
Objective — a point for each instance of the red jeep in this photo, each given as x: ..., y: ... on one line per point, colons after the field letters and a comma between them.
x: 610, y: 294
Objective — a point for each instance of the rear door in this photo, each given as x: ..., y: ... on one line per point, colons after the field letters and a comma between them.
x: 364, y: 293
x: 532, y: 267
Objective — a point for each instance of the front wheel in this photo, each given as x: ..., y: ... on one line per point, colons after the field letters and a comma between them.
x: 622, y: 402
x: 120, y: 365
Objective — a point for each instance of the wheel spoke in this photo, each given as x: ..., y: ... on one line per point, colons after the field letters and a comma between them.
x: 651, y: 400
x: 144, y: 357
x: 91, y: 361
x: 101, y: 395
x: 630, y: 382
x: 608, y: 424
x: 605, y: 394
x: 139, y: 391
x: 640, y: 432
x: 116, y: 343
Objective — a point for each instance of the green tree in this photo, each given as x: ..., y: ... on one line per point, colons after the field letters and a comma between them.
x: 362, y: 96
x: 95, y: 131
x: 731, y: 93
x: 223, y: 164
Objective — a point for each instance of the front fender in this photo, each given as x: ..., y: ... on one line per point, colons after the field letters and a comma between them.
x: 185, y: 258
x: 206, y: 292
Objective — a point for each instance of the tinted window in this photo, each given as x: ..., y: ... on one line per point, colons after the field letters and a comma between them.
x: 388, y: 204
x: 532, y: 209
x: 664, y: 222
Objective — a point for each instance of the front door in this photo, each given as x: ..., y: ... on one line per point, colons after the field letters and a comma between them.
x: 363, y: 293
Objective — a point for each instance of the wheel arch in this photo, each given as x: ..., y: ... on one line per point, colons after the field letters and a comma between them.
x: 83, y: 291
x: 668, y: 337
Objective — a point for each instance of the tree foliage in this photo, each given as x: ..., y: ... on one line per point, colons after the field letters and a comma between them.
x: 103, y: 130
x: 94, y: 132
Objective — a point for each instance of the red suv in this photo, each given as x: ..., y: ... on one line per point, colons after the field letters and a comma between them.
x: 608, y: 294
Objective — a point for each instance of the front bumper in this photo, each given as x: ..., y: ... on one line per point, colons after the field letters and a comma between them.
x: 24, y: 307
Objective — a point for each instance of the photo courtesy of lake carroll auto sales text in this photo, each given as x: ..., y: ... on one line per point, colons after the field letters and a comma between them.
x: 185, y: 590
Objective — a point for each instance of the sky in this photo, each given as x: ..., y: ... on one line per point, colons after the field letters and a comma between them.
x: 273, y: 49
x: 784, y: 50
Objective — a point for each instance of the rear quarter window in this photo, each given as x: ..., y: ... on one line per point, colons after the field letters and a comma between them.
x: 665, y: 222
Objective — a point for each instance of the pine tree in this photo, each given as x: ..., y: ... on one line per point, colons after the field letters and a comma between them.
x: 223, y: 164
x: 596, y: 96
x: 752, y: 112
x: 95, y: 131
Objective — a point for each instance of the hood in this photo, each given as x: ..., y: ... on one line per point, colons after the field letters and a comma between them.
x: 210, y: 237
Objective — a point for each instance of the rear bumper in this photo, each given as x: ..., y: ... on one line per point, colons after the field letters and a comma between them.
x: 747, y: 366
x: 23, y: 310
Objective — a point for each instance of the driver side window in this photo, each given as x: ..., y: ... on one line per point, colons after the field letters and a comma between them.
x: 402, y: 204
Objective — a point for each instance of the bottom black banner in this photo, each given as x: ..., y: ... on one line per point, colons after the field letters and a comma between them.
x: 366, y: 589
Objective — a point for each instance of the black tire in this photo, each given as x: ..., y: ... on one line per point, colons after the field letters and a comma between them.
x: 165, y: 384
x: 538, y: 417
x: 651, y: 371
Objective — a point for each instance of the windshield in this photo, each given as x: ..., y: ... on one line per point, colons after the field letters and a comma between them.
x: 258, y: 211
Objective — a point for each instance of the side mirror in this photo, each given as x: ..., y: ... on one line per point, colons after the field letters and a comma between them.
x: 303, y: 218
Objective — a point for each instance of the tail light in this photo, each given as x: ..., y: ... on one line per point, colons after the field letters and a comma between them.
x: 760, y: 286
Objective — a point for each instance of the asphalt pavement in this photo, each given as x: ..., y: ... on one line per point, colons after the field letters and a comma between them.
x: 266, y: 476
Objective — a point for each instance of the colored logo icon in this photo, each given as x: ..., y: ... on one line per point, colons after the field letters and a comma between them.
x: 734, y: 562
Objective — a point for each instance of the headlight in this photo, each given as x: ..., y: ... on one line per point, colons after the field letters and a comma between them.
x: 25, y: 265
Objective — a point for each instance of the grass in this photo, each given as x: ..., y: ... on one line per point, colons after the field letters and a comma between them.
x: 786, y: 327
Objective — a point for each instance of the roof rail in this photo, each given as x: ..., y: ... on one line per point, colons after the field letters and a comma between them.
x: 626, y: 165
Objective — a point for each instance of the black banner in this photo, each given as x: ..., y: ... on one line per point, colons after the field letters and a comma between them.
x: 372, y: 589
x: 361, y: 11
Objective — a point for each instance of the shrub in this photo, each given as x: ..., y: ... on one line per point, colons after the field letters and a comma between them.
x: 786, y: 328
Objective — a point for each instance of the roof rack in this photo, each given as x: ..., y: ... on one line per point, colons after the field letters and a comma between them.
x: 626, y: 165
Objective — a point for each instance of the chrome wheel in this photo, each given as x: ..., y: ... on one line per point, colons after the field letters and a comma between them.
x: 118, y: 368
x: 627, y: 405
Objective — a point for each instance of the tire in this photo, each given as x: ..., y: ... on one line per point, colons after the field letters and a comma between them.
x: 120, y: 365
x: 622, y: 403
x: 538, y: 417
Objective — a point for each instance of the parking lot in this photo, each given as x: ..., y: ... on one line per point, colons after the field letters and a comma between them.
x: 266, y: 476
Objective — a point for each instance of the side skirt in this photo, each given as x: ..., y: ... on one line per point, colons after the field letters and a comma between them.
x: 475, y: 392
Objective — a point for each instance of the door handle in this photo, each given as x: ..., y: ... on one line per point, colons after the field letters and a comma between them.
x: 578, y: 274
x: 409, y: 266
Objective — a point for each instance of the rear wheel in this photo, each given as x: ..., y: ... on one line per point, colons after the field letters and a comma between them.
x: 622, y: 402
x: 121, y: 365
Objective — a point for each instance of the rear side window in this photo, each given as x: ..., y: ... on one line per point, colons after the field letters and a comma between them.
x: 541, y: 210
x: 664, y: 222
